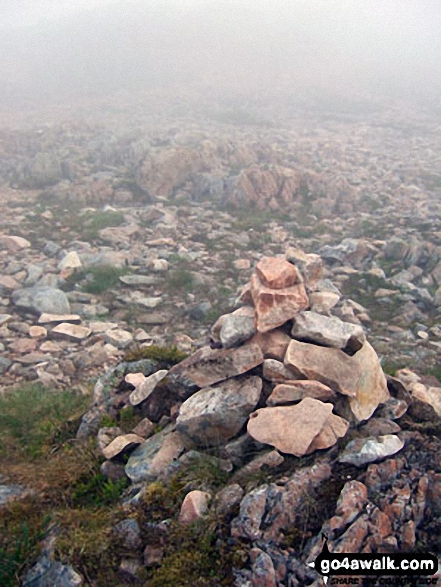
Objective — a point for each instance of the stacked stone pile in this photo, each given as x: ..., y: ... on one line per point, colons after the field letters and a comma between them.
x: 277, y: 374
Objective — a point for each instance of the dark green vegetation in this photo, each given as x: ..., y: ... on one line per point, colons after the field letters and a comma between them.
x: 68, y: 223
x: 34, y: 418
x: 40, y: 452
x: 167, y: 356
x: 95, y: 280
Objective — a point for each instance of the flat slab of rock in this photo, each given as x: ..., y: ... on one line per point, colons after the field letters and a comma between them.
x: 361, y: 451
x: 292, y: 429
x: 14, y: 243
x: 140, y: 280
x: 277, y: 273
x: 71, y: 331
x: 293, y: 391
x: 42, y: 299
x: 145, y: 387
x: 47, y: 318
x: 275, y: 306
x: 360, y: 377
x: 121, y: 445
x: 331, y: 332
x: 216, y: 414
x: 209, y: 366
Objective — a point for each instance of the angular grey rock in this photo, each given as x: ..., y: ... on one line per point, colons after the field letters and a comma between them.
x: 330, y: 332
x: 155, y: 456
x: 237, y: 327
x: 49, y: 573
x: 215, y: 414
x: 361, y: 451
x: 42, y: 299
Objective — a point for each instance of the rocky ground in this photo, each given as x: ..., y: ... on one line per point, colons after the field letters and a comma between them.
x: 298, y: 267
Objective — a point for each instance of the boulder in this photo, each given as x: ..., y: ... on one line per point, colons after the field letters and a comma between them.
x: 121, y: 445
x: 120, y: 339
x: 47, y: 318
x: 209, y: 366
x: 273, y: 343
x: 292, y: 429
x: 216, y: 414
x: 14, y: 243
x: 360, y: 377
x: 274, y: 307
x: 323, y: 301
x: 155, y: 457
x: 330, y: 332
x: 310, y: 265
x: 70, y: 261
x: 237, y: 327
x: 71, y: 332
x: 42, y: 299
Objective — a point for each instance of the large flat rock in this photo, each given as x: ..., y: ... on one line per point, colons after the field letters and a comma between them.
x: 42, y: 299
x: 293, y: 429
x: 359, y: 377
x: 328, y: 331
x: 209, y: 366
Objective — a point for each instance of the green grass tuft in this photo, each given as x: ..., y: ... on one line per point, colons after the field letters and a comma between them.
x: 33, y: 418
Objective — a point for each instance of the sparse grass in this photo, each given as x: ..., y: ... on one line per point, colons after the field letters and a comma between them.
x: 96, y: 280
x: 19, y: 542
x: 165, y: 355
x: 33, y: 418
x: 180, y: 280
x: 68, y: 489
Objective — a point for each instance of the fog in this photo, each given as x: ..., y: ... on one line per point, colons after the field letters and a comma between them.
x: 61, y: 50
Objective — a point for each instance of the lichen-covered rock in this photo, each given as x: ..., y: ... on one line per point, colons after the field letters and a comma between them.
x: 209, y: 366
x: 361, y: 451
x: 216, y: 414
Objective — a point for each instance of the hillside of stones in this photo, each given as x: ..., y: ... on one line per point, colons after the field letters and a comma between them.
x: 159, y: 271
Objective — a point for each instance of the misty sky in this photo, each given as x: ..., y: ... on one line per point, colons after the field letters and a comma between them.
x: 56, y: 48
